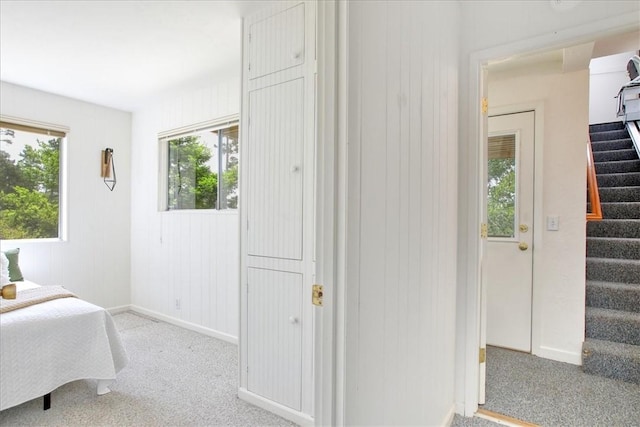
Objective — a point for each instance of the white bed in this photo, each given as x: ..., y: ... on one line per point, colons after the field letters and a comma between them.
x: 47, y: 345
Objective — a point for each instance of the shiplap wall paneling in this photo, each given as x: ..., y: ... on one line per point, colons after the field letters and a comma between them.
x: 275, y: 335
x: 94, y: 259
x: 189, y: 256
x: 274, y: 190
x: 401, y: 232
x: 277, y: 42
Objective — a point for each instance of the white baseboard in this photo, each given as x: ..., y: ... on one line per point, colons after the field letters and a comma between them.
x: 560, y: 355
x: 448, y: 419
x: 119, y: 309
x: 281, y: 410
x: 184, y: 324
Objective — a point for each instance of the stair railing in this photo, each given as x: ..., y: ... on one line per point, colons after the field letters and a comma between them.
x: 593, y: 194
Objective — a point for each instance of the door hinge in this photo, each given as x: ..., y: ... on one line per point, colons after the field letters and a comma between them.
x: 484, y: 230
x: 483, y: 355
x: 484, y: 104
x: 317, y: 294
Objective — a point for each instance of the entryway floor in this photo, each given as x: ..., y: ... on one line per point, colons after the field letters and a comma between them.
x: 550, y: 393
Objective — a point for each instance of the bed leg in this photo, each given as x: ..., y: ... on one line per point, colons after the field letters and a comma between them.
x: 47, y: 401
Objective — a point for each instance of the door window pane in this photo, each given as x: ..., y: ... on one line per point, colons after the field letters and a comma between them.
x: 501, y: 197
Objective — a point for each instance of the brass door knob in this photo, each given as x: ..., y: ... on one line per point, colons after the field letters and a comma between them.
x: 523, y: 246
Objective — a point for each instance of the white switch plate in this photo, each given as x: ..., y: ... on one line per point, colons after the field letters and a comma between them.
x: 553, y: 223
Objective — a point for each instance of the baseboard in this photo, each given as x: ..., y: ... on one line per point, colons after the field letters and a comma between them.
x: 559, y: 355
x: 448, y: 419
x: 118, y: 309
x: 184, y: 324
x: 281, y: 410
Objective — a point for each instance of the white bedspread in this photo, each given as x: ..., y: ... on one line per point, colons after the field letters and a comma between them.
x: 50, y: 344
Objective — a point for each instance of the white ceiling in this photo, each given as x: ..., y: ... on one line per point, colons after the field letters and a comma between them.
x: 118, y: 53
x: 124, y: 53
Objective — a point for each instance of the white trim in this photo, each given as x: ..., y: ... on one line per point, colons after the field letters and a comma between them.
x: 186, y: 325
x: 213, y: 124
x: 560, y: 355
x: 342, y: 64
x: 467, y: 397
x: 271, y: 406
x: 326, y: 214
x: 34, y: 123
x: 448, y: 419
x: 119, y: 309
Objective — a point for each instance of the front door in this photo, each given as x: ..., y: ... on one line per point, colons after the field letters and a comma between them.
x: 509, y: 257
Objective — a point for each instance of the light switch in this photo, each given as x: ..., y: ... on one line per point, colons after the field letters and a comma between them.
x: 553, y: 223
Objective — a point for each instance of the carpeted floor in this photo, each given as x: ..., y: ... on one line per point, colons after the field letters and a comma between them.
x: 175, y: 377
x: 550, y: 393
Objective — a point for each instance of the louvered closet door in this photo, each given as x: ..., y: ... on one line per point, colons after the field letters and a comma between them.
x: 275, y: 155
x: 275, y: 335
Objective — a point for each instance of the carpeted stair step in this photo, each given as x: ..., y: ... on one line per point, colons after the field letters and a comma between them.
x: 601, y: 127
x: 614, y: 155
x: 619, y: 194
x: 614, y: 144
x: 629, y: 228
x: 612, y: 325
x: 630, y: 179
x: 613, y: 296
x: 608, y: 135
x: 613, y: 270
x: 619, y: 166
x: 620, y: 210
x: 611, y: 360
x: 613, y: 247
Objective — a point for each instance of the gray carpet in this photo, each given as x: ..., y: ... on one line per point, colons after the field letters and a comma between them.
x: 175, y: 377
x: 552, y: 393
x: 612, y: 320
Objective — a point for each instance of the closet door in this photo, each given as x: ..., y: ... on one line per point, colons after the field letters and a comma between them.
x: 275, y: 150
x: 277, y: 211
x: 275, y: 335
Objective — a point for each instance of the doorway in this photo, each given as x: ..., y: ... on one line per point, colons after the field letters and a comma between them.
x: 510, y: 210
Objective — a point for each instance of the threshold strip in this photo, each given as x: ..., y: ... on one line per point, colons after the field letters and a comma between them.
x: 503, y: 419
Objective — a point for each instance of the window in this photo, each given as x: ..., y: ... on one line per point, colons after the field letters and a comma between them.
x: 501, y: 197
x: 29, y: 181
x: 202, y: 168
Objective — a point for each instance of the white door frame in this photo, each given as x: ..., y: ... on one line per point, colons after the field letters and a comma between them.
x: 330, y: 210
x: 470, y: 185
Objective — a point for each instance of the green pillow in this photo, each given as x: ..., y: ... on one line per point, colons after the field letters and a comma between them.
x: 15, y: 275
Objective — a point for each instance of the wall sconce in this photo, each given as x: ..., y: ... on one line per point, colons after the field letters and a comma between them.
x: 108, y: 168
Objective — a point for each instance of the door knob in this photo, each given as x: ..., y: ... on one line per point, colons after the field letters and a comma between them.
x: 524, y: 228
x: 523, y: 246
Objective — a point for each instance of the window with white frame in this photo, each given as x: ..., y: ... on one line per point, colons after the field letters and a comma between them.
x: 201, y: 167
x: 30, y: 180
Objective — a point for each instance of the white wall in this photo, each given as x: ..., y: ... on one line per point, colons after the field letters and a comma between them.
x: 191, y: 255
x: 608, y: 75
x: 495, y: 30
x: 559, y: 256
x: 401, y: 213
x: 94, y: 262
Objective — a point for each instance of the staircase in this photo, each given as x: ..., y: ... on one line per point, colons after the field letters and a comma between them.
x: 612, y: 345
